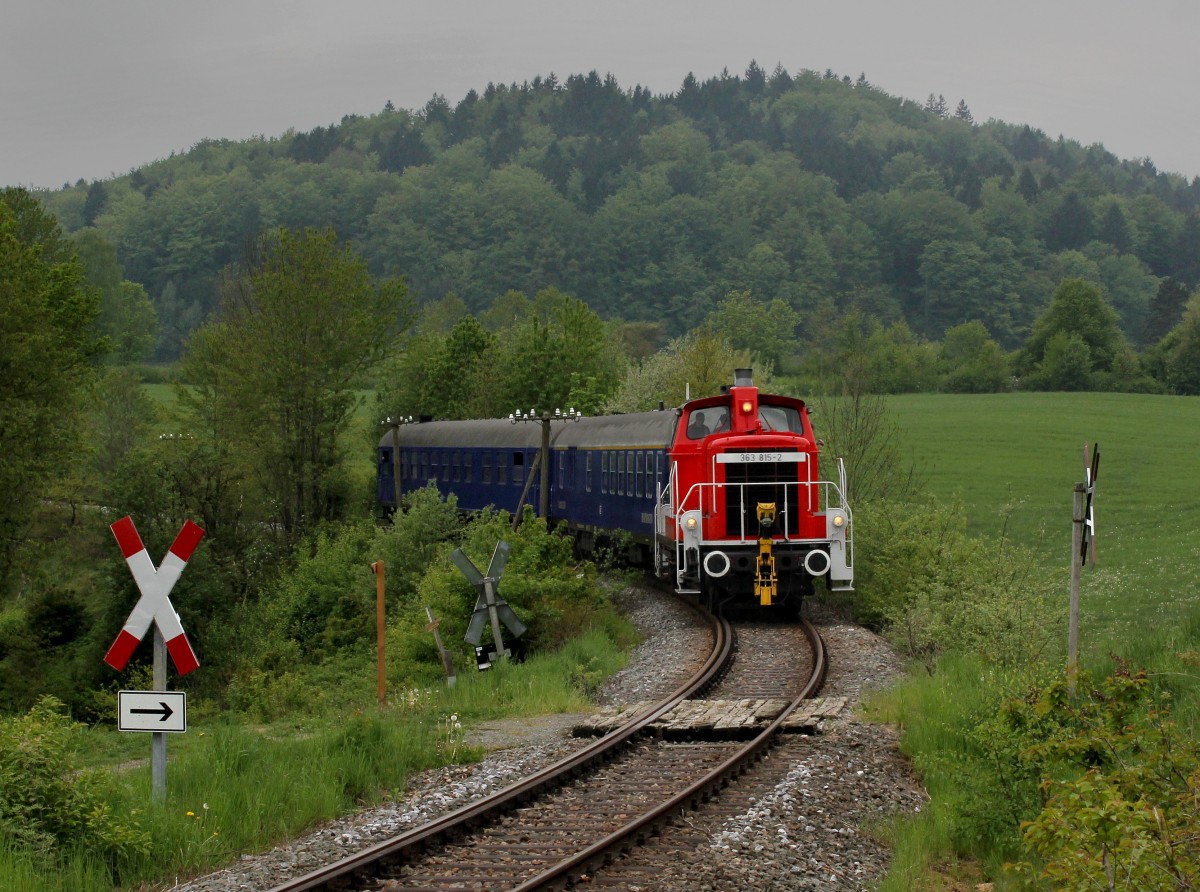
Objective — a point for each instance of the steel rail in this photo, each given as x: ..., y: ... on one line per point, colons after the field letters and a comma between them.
x: 360, y: 864
x: 570, y: 870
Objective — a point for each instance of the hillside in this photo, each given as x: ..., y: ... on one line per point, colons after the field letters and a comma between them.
x: 821, y: 190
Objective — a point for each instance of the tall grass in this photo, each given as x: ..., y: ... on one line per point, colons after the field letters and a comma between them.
x: 233, y: 787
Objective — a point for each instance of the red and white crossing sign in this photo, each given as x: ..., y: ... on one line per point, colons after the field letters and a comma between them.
x: 154, y: 605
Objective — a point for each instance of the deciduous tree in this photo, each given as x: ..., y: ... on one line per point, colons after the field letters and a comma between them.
x: 301, y: 322
x: 46, y: 351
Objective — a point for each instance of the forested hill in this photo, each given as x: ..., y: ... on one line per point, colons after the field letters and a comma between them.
x: 822, y: 190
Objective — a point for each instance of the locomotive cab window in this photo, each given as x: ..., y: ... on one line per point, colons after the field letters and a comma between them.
x: 780, y: 418
x: 703, y: 422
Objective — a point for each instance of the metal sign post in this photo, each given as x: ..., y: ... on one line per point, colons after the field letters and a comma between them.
x: 154, y: 608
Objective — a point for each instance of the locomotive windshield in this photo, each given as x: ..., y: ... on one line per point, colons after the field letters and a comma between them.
x: 780, y: 418
x: 703, y: 422
x: 714, y: 419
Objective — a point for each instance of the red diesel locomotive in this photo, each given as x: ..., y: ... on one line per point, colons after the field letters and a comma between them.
x: 722, y: 495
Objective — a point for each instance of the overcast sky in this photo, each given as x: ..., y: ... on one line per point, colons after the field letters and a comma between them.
x: 93, y: 89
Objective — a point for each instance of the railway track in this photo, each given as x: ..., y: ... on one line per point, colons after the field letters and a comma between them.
x: 569, y: 821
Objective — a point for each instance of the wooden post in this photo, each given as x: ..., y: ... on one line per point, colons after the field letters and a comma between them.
x: 158, y: 739
x: 380, y: 635
x: 544, y: 455
x: 489, y: 593
x: 516, y: 521
x: 1077, y: 521
x: 447, y: 662
x: 396, y: 469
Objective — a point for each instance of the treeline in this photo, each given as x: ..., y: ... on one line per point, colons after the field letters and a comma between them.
x: 823, y: 192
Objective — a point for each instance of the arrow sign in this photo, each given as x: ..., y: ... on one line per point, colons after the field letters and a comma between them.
x: 489, y: 598
x: 164, y: 711
x: 154, y: 604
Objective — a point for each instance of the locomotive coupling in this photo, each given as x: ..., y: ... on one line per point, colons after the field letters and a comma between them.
x: 766, y: 584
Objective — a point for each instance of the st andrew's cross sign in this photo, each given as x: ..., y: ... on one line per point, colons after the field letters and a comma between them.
x: 154, y: 604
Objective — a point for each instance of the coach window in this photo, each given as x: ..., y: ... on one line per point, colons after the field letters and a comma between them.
x: 518, y: 467
x: 446, y: 465
x: 620, y: 473
x: 456, y: 466
x: 468, y: 468
x: 487, y: 467
x: 604, y: 472
x: 502, y: 468
x: 641, y: 470
x: 587, y: 472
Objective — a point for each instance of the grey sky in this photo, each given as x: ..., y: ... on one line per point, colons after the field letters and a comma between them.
x: 92, y: 89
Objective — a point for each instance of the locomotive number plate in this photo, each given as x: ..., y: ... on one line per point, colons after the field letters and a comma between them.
x: 738, y: 458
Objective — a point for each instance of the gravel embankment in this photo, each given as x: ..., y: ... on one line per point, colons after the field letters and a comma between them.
x: 811, y: 830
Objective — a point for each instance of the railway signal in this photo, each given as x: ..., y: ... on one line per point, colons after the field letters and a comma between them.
x: 489, y: 604
x: 154, y: 606
x: 1083, y: 532
x: 1091, y: 470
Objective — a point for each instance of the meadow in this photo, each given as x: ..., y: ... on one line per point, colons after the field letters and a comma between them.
x: 1013, y: 460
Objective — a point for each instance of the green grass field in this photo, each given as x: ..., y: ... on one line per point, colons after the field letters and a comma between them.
x: 1013, y: 461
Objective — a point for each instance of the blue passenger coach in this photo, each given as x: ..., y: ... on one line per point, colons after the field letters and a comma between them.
x: 606, y: 473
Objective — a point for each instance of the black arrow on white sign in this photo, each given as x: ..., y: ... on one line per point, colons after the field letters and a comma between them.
x: 166, y: 712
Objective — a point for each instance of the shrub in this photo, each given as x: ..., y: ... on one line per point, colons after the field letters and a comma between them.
x: 938, y: 590
x: 1122, y: 796
x: 48, y: 806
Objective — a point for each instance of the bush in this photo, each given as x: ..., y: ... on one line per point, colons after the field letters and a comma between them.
x: 938, y: 590
x: 1122, y: 799
x: 47, y: 806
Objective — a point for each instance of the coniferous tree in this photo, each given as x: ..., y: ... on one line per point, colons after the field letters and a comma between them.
x: 1166, y: 309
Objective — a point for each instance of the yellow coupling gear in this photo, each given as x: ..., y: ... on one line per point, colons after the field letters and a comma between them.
x: 766, y: 584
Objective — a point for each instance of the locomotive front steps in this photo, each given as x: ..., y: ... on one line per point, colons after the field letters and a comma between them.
x: 717, y: 719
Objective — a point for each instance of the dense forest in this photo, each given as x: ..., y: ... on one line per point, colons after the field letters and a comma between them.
x: 821, y: 191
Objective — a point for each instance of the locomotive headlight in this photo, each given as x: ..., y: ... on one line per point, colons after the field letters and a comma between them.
x: 839, y: 521
x: 747, y: 407
x: 690, y: 523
